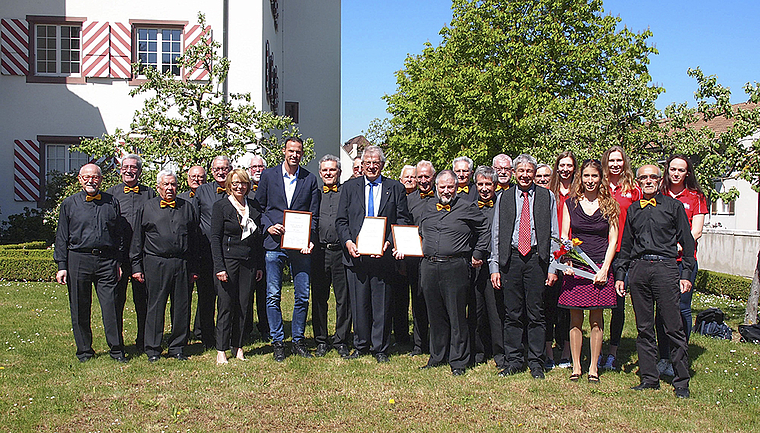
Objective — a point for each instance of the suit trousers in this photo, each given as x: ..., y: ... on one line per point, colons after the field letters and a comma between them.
x: 83, y: 271
x: 419, y: 309
x: 233, y: 297
x: 140, y: 298
x: 489, y: 312
x: 446, y: 293
x: 369, y: 287
x: 164, y: 278
x: 259, y: 298
x: 327, y: 268
x: 204, y: 314
x: 655, y: 284
x: 523, y: 285
x: 400, y: 305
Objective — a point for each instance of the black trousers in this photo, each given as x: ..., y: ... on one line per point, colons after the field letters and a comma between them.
x: 369, y: 287
x: 446, y: 285
x: 419, y: 309
x: 523, y: 285
x: 327, y: 268
x: 83, y: 271
x: 489, y: 318
x: 204, y: 314
x: 400, y: 304
x: 140, y: 298
x: 655, y: 284
x: 233, y: 298
x: 164, y: 278
x: 557, y: 319
x: 259, y: 298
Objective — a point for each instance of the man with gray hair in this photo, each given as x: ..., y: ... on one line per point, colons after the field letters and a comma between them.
x: 131, y: 195
x: 503, y: 166
x: 256, y: 166
x: 164, y: 257
x: 523, y: 231
x: 463, y: 166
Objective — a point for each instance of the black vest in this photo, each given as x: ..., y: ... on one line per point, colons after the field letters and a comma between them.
x: 541, y: 218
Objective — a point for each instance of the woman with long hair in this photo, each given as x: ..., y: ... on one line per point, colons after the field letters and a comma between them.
x: 557, y: 321
x: 592, y: 216
x: 620, y: 182
x: 681, y: 183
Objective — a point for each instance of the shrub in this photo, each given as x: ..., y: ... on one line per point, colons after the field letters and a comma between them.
x: 717, y: 283
x: 31, y: 225
x: 27, y: 262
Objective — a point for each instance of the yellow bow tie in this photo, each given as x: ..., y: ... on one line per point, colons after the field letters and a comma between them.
x: 644, y: 203
x: 92, y: 197
x: 165, y: 203
x: 134, y: 189
x: 220, y: 190
x: 499, y: 188
x: 439, y: 206
x: 427, y: 194
x: 254, y: 187
x: 465, y: 189
x: 328, y: 188
x: 192, y: 194
x: 487, y: 203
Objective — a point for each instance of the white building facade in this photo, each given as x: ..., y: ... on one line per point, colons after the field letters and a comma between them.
x: 65, y: 72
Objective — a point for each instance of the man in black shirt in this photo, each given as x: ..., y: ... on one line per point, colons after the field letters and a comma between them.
x: 88, y: 245
x: 163, y: 255
x: 205, y: 197
x: 653, y: 229
x: 196, y: 177
x: 503, y: 165
x: 327, y: 266
x: 462, y: 166
x: 454, y: 236
x: 131, y: 196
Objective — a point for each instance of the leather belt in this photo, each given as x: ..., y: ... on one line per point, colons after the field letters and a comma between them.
x: 445, y: 258
x: 332, y: 247
x: 654, y: 258
x: 94, y: 251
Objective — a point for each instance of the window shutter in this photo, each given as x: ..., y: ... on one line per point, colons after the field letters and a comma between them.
x: 194, y: 35
x: 26, y: 170
x: 121, y: 51
x: 14, y: 48
x: 95, y: 43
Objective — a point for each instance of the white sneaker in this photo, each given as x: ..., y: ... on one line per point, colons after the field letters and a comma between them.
x: 665, y: 368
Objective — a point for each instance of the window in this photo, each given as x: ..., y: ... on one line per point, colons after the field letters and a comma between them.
x: 57, y: 50
x: 291, y: 110
x: 719, y: 207
x: 59, y: 158
x: 160, y: 48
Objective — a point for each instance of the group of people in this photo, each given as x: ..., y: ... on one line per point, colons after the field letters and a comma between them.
x: 502, y: 275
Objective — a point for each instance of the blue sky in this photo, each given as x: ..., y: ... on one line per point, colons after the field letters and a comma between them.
x: 720, y: 37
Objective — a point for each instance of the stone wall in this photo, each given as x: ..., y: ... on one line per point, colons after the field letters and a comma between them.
x: 729, y: 251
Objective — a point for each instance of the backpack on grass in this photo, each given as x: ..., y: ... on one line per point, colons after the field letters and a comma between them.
x: 710, y: 323
x: 750, y: 333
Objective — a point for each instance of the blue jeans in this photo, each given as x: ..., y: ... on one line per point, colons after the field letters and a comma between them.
x: 300, y: 265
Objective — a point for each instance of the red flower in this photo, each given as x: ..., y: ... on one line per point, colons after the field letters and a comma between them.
x: 560, y: 252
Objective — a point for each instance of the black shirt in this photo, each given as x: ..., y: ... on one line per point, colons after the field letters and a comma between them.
x: 417, y: 204
x: 165, y: 232
x: 84, y: 225
x: 454, y: 232
x: 187, y: 196
x: 328, y: 211
x: 470, y: 195
x: 131, y: 202
x: 656, y: 230
x: 205, y: 197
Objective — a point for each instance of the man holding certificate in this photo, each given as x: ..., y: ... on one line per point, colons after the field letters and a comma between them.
x: 368, y: 206
x: 285, y: 188
x: 454, y: 236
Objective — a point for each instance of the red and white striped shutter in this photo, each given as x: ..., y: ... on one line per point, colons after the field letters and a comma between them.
x: 14, y: 48
x: 26, y: 170
x: 194, y: 35
x: 121, y: 50
x: 95, y: 43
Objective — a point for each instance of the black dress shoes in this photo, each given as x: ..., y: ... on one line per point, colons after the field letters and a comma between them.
x: 300, y: 350
x: 415, y: 352
x: 381, y: 357
x: 153, y: 358
x: 180, y: 357
x: 537, y: 373
x: 322, y: 350
x: 457, y: 371
x: 342, y: 350
x: 278, y: 351
x: 682, y: 392
x: 509, y: 371
x: 356, y: 354
x: 120, y: 358
x: 643, y: 385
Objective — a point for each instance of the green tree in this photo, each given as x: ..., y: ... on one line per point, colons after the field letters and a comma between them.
x: 184, y: 123
x: 519, y: 76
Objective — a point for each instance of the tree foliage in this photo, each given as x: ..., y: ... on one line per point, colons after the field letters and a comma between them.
x: 522, y: 76
x: 185, y: 122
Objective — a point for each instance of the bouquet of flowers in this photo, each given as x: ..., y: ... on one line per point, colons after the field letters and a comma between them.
x: 571, y: 248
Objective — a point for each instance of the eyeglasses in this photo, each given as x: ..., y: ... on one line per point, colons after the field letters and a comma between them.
x: 237, y: 184
x: 88, y: 178
x: 217, y: 169
x: 372, y: 163
x: 257, y: 166
x: 644, y: 177
x: 196, y: 177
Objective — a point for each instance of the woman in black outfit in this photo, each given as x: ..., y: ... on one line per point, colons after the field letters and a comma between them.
x: 238, y: 253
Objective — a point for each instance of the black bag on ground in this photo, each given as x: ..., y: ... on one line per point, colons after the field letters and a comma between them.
x: 710, y: 323
x: 750, y: 333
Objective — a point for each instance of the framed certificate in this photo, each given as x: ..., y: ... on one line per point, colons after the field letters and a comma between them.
x: 297, y: 230
x: 371, y: 237
x: 406, y: 240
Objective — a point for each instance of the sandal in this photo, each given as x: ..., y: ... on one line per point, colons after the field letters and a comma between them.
x: 575, y: 376
x: 593, y: 378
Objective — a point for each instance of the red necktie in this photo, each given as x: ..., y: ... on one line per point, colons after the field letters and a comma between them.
x: 523, y: 236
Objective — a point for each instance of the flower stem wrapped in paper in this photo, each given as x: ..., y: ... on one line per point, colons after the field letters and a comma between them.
x: 571, y: 249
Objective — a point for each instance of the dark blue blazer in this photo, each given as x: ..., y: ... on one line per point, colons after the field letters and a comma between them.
x: 351, y: 210
x: 270, y: 196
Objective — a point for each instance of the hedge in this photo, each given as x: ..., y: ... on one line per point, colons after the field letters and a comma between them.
x: 31, y: 261
x: 35, y: 245
x: 717, y: 283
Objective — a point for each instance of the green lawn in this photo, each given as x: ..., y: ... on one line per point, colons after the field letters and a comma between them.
x: 44, y: 388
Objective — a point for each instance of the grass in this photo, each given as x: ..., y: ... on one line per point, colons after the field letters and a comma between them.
x: 44, y: 388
